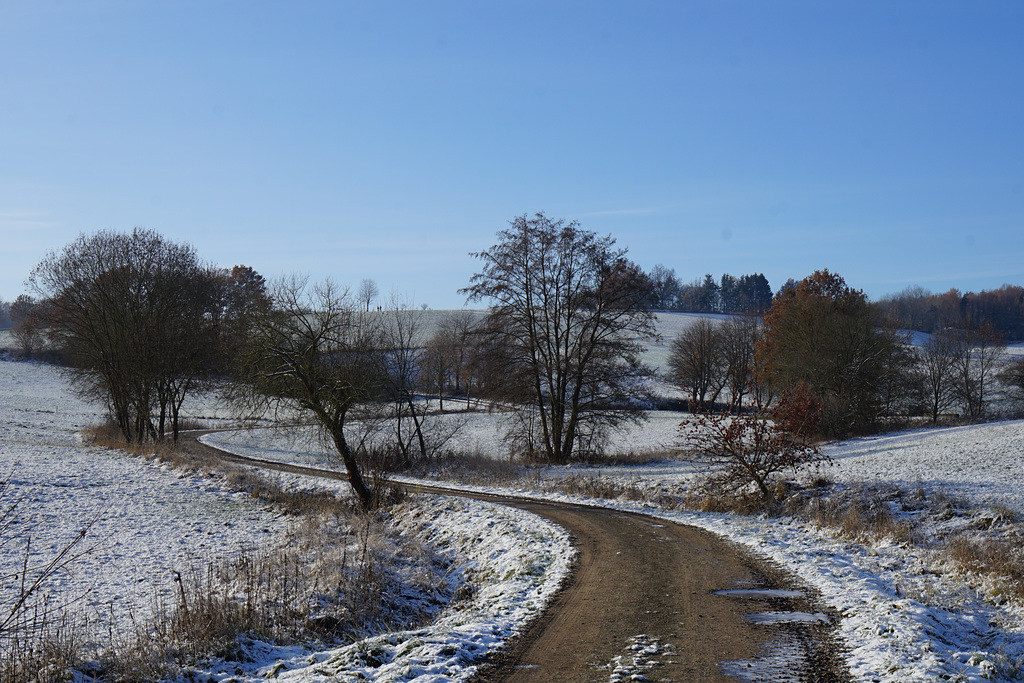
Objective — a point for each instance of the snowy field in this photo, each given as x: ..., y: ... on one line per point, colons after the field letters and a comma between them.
x: 147, y: 521
x: 904, y: 615
x: 981, y: 463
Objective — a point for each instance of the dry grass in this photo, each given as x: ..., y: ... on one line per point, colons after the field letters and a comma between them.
x: 860, y: 513
x: 590, y: 486
x: 39, y: 639
x: 41, y: 646
x: 333, y: 579
x: 999, y: 560
x: 336, y: 576
x: 469, y: 467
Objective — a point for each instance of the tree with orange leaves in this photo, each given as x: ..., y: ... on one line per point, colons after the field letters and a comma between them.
x: 823, y: 333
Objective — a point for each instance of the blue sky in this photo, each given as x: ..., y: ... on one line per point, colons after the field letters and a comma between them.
x: 881, y: 140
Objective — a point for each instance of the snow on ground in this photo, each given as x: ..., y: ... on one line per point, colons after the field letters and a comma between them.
x: 150, y: 521
x: 146, y: 521
x: 982, y: 463
x: 904, y: 616
x: 480, y: 434
x: 516, y: 562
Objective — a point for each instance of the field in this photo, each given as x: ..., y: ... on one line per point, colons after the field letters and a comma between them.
x: 144, y: 522
x: 909, y: 613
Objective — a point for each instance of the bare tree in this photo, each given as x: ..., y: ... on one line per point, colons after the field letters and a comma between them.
x: 937, y: 364
x: 403, y: 363
x: 438, y: 370
x: 132, y: 313
x: 27, y: 324
x: 312, y: 356
x: 739, y: 339
x: 448, y: 366
x: 698, y: 362
x: 665, y: 288
x: 1012, y: 376
x: 367, y: 292
x: 568, y: 317
x: 977, y: 355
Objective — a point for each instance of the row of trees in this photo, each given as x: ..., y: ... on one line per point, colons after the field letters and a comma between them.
x: 745, y: 294
x: 715, y: 357
x: 144, y: 323
x: 820, y: 338
x: 918, y: 309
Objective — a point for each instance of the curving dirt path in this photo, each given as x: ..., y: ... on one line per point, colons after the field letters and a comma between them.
x: 646, y: 599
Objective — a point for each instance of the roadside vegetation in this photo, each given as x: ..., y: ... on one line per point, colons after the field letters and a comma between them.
x: 337, y: 575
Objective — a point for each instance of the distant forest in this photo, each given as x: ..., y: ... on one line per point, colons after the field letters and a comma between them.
x: 744, y: 294
x: 917, y: 309
x: 913, y: 309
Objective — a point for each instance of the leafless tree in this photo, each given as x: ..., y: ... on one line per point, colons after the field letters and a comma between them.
x: 27, y: 324
x: 976, y: 366
x: 568, y: 317
x: 438, y: 370
x: 937, y: 364
x: 403, y: 363
x: 739, y: 339
x: 448, y: 367
x: 132, y: 313
x: 698, y: 362
x: 368, y: 291
x: 313, y: 356
x: 1012, y: 377
x: 745, y: 448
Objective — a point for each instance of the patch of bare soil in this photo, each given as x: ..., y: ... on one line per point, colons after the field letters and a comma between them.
x: 669, y: 603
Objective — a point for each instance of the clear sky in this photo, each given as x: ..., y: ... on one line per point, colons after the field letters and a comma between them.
x: 881, y: 140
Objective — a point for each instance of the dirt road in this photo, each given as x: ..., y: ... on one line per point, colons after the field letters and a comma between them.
x: 664, y: 601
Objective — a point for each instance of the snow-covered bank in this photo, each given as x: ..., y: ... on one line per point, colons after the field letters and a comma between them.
x: 513, y: 560
x: 905, y: 614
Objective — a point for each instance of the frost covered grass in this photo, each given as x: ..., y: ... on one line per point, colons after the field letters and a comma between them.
x: 923, y: 575
x: 186, y: 575
x: 143, y: 521
x: 328, y: 580
x: 928, y: 586
x: 914, y: 539
x: 510, y: 563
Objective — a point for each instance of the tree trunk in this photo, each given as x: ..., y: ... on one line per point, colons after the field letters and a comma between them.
x: 418, y: 428
x: 355, y: 479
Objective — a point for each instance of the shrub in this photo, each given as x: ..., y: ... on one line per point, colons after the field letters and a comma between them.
x: 744, y: 449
